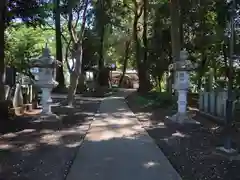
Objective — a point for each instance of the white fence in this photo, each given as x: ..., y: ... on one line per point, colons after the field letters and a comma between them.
x: 214, y: 103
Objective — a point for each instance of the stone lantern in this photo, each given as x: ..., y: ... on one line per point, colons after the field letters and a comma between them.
x: 45, y: 78
x: 182, y: 69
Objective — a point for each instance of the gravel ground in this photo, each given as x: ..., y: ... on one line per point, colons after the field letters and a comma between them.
x: 190, y: 148
x: 44, y: 150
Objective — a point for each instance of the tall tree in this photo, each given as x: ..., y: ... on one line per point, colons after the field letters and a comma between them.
x: 77, y: 51
x: 103, y: 16
x: 125, y: 61
x: 2, y: 47
x: 102, y: 29
x: 139, y: 31
x: 59, y: 55
x: 175, y: 31
x: 32, y: 12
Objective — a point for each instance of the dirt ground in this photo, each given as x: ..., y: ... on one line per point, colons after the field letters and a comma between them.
x: 190, y: 148
x: 44, y: 150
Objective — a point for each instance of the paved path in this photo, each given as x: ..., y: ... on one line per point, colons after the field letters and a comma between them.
x: 117, y: 148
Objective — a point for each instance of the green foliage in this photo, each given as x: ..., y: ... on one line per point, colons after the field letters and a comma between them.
x: 24, y: 43
x: 32, y: 12
x: 203, y: 25
x: 156, y: 99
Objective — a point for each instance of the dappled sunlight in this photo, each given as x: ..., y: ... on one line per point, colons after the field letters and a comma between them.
x: 29, y: 147
x: 26, y: 131
x: 110, y: 127
x: 215, y: 128
x: 175, y: 137
x: 151, y: 164
x: 99, y: 134
x: 113, y: 131
x: 9, y: 135
x: 46, y: 131
x: 114, y: 98
x: 122, y: 109
x: 142, y: 115
x: 160, y: 125
x: 53, y: 139
x: 73, y: 145
x: 6, y: 146
x: 84, y: 113
x: 189, y: 147
x: 179, y: 134
x: 118, y: 122
x: 44, y: 148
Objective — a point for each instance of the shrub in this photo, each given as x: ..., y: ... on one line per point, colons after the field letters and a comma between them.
x: 156, y: 99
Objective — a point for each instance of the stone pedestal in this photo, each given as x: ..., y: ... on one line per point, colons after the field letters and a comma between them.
x: 46, y: 100
x: 182, y: 101
x: 182, y: 116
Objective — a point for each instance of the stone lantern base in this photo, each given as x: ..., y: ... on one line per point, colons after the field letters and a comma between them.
x: 46, y: 118
x: 182, y: 118
x: 229, y: 154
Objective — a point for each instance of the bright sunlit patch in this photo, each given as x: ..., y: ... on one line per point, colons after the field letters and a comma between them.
x: 161, y: 124
x: 151, y: 164
x: 121, y: 109
x: 73, y: 145
x: 85, y: 113
x: 46, y: 131
x: 52, y: 139
x: 29, y: 147
x: 6, y: 146
x: 215, y: 128
x: 10, y: 135
x: 26, y: 131
x: 179, y: 134
x: 130, y: 137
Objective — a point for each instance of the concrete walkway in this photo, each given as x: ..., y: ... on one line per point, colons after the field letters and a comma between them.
x: 118, y: 148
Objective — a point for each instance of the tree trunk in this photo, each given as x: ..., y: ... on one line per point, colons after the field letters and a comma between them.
x: 77, y: 51
x: 201, y: 70
x: 225, y: 58
x: 175, y: 31
x: 75, y: 75
x: 125, y: 64
x: 141, y: 59
x: 144, y: 83
x: 101, y: 57
x: 145, y: 38
x: 159, y: 83
x: 2, y: 47
x: 101, y: 48
x: 102, y: 29
x: 59, y: 75
x: 181, y: 22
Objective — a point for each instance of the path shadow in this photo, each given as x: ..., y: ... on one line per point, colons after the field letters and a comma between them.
x: 190, y: 148
x: 44, y: 149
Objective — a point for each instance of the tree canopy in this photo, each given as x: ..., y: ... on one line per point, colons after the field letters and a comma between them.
x: 139, y: 34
